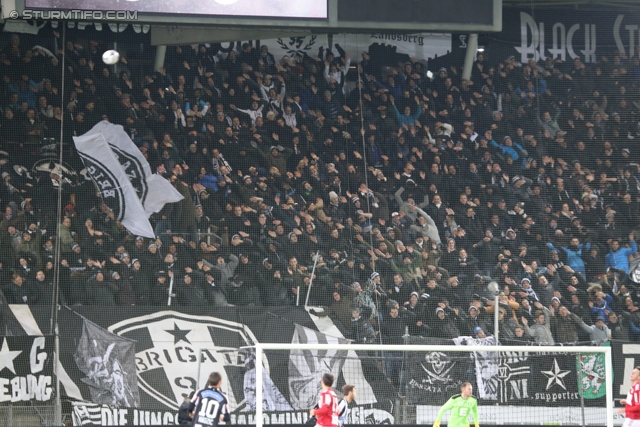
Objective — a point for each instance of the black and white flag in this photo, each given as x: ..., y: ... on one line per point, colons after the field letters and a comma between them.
x: 272, y: 398
x: 433, y: 376
x: 123, y: 177
x: 306, y: 367
x: 486, y: 364
x: 108, y: 363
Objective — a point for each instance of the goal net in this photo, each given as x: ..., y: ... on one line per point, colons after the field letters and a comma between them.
x: 407, y: 384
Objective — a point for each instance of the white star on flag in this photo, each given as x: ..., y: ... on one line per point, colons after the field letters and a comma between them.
x: 556, y: 375
x: 7, y: 356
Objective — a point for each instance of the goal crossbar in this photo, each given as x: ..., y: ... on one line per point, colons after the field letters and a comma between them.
x: 261, y: 347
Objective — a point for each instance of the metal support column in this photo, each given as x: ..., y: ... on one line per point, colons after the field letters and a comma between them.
x: 470, y: 56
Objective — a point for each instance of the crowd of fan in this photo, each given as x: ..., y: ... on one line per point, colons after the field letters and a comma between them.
x: 404, y: 193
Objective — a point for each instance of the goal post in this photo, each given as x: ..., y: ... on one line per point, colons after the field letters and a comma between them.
x: 500, y: 361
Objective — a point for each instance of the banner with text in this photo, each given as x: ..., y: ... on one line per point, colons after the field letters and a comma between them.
x: 144, y: 362
x: 566, y: 34
x: 137, y: 357
x: 422, y: 46
x: 506, y: 377
x: 26, y: 369
x: 105, y: 415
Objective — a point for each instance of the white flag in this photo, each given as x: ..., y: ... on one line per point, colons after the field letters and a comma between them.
x: 114, y: 185
x: 153, y: 190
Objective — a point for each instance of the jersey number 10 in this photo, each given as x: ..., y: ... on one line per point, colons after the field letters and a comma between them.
x: 209, y: 408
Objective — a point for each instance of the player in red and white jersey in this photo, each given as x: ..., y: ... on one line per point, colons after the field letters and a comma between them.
x: 327, y: 411
x: 631, y: 404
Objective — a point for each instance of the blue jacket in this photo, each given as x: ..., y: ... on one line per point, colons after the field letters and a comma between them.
x: 511, y: 151
x: 542, y: 86
x: 599, y: 310
x: 25, y: 95
x: 620, y: 258
x: 209, y: 181
x: 396, y: 89
x: 574, y: 258
x: 409, y: 120
x: 202, y: 104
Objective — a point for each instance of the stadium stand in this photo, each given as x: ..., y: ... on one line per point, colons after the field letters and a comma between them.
x: 412, y: 193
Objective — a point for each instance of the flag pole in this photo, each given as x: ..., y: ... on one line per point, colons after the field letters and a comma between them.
x: 58, y: 410
x: 313, y: 271
x: 56, y: 267
x: 56, y: 283
x: 170, y: 288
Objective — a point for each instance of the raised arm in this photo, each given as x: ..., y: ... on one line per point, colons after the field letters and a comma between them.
x: 588, y: 329
x: 264, y: 93
x: 398, y: 197
x: 418, y: 113
x: 347, y: 64
x: 395, y: 109
x: 432, y: 231
x: 547, y: 315
x: 233, y: 261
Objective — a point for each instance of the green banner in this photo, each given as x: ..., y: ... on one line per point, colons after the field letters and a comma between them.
x: 592, y: 375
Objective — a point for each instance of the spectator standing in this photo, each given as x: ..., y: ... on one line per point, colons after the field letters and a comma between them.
x: 618, y: 257
x: 599, y: 333
x: 540, y: 331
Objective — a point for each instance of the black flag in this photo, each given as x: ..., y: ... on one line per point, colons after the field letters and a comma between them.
x: 108, y: 361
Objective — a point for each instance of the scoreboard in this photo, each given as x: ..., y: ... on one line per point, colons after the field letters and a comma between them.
x: 319, y: 16
x: 303, y: 9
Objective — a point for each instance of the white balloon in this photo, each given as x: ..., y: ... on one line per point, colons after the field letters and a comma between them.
x: 110, y: 57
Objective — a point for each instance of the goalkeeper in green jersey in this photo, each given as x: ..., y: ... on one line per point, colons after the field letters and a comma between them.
x: 461, y: 406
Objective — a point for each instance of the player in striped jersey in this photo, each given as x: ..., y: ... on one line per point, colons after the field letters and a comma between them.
x: 349, y: 395
x: 209, y: 406
x: 631, y: 404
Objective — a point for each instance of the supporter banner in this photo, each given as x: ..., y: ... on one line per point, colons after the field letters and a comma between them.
x: 304, y: 375
x: 626, y: 356
x: 176, y: 350
x: 434, y: 376
x: 592, y: 376
x: 567, y: 33
x: 554, y: 381
x: 422, y: 46
x: 512, y: 377
x: 26, y: 366
x: 105, y: 415
x: 123, y: 176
